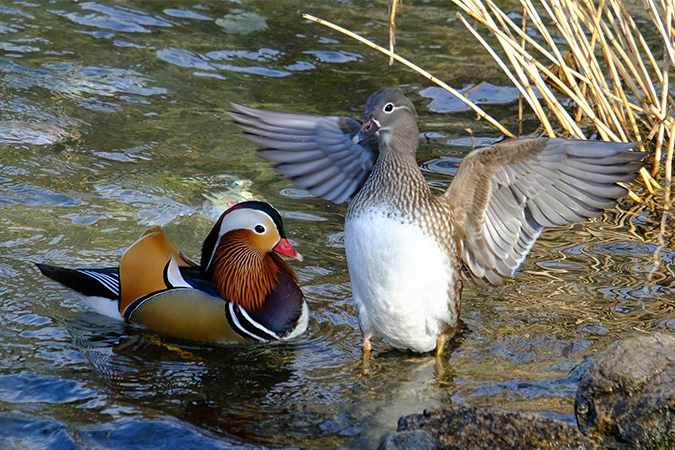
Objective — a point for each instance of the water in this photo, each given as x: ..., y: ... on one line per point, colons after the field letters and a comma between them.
x: 112, y: 120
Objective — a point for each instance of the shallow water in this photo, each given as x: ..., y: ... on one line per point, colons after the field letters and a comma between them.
x: 112, y: 120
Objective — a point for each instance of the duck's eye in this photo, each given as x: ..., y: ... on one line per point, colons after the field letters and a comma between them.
x: 259, y: 229
x: 389, y: 107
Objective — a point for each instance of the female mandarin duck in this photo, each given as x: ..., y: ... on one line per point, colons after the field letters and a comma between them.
x: 241, y: 292
x: 406, y: 248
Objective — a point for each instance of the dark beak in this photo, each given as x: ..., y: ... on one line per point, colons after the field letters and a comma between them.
x: 369, y: 128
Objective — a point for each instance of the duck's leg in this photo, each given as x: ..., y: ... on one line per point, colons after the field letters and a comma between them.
x: 440, y: 343
x: 367, y: 347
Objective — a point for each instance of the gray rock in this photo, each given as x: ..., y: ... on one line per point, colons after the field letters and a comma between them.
x: 410, y: 440
x: 627, y: 395
x: 467, y: 427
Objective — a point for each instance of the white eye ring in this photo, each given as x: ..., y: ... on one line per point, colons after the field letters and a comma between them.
x: 259, y: 229
x: 389, y: 108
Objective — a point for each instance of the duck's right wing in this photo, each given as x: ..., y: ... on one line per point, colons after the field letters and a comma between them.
x: 503, y: 196
x: 317, y: 153
x: 151, y: 264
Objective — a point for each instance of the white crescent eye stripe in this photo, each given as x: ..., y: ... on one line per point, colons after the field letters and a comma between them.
x: 394, y: 108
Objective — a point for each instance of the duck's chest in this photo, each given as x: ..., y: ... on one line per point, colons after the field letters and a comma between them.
x: 379, y: 241
x: 401, y: 273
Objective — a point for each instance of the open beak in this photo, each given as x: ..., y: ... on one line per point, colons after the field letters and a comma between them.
x: 369, y: 128
x: 283, y: 247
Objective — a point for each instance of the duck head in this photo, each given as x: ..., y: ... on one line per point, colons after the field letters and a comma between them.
x: 391, y: 116
x: 241, y: 253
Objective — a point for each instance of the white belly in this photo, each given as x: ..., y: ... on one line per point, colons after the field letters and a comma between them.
x: 401, y: 281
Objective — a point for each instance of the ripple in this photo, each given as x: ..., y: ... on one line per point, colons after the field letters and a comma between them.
x: 114, y: 18
x: 445, y: 164
x: 26, y: 194
x: 35, y: 432
x: 299, y: 215
x: 296, y: 193
x: 5, y: 29
x: 35, y: 133
x: 9, y: 47
x: 75, y: 80
x: 15, y: 12
x: 151, y: 209
x: 28, y: 387
x: 127, y: 155
x: 97, y: 34
x: 300, y: 66
x: 328, y: 56
x: 484, y: 93
x: 255, y: 70
x: 337, y: 240
x: 185, y: 14
x: 77, y: 219
x: 127, y: 44
x: 155, y: 433
x: 183, y: 58
x: 263, y: 54
x: 558, y: 387
x: 475, y: 141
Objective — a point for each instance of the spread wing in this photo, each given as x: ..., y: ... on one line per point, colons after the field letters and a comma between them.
x: 316, y: 152
x: 504, y: 195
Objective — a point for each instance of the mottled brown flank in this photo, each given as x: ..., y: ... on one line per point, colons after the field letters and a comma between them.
x: 244, y: 274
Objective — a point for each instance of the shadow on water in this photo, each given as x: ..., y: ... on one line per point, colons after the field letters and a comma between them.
x: 112, y: 121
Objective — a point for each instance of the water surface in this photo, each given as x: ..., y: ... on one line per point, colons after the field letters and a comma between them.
x: 112, y: 121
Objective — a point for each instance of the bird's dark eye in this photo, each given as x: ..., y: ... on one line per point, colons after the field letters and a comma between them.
x: 259, y: 229
x: 389, y: 107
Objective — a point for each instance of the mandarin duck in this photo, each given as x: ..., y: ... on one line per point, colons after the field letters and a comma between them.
x: 407, y: 248
x: 242, y: 291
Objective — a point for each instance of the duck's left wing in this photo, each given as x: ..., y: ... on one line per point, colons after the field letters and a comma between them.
x: 504, y: 195
x: 316, y: 152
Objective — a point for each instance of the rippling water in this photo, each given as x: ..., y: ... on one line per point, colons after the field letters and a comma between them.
x: 112, y: 120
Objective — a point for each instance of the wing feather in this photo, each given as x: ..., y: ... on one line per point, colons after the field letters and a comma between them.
x: 315, y: 152
x: 504, y: 195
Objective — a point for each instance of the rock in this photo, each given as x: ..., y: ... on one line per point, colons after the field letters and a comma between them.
x: 627, y: 395
x: 468, y: 427
x: 410, y: 440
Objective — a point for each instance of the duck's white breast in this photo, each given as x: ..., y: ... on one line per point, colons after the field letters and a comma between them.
x: 401, y: 280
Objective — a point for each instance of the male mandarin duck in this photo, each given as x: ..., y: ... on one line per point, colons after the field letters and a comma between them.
x: 406, y: 248
x: 242, y: 291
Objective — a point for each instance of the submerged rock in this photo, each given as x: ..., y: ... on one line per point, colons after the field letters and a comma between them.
x: 627, y: 395
x: 468, y: 427
x: 409, y: 440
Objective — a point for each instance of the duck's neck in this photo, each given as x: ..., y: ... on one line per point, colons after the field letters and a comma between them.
x: 283, y: 307
x: 243, y: 274
x: 396, y: 182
